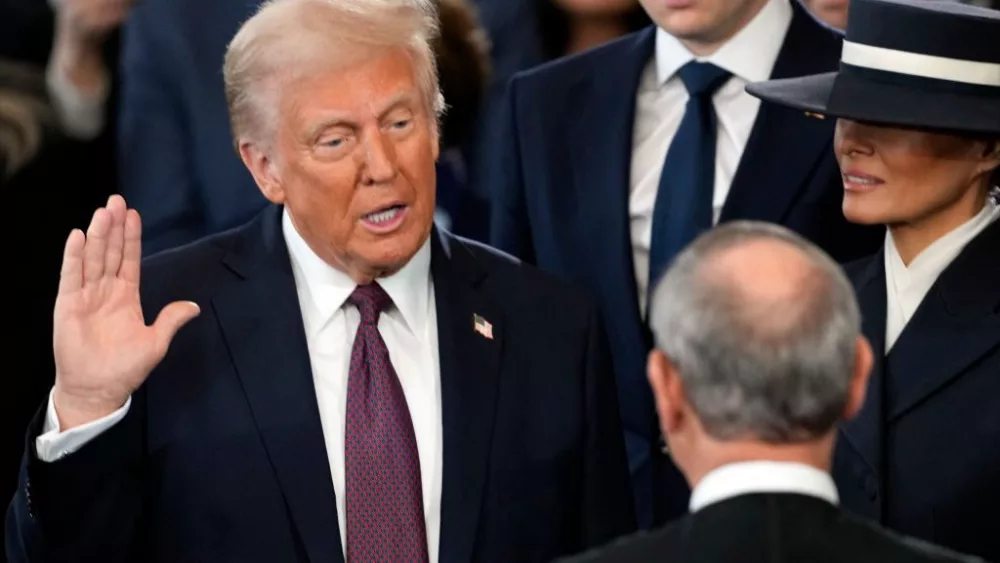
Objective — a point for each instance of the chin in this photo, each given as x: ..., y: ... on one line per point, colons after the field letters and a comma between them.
x: 392, y: 253
x: 862, y: 214
x: 684, y: 24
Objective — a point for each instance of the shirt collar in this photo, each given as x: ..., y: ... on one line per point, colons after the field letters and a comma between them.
x: 329, y: 288
x: 750, y: 477
x: 750, y: 54
x: 934, y: 259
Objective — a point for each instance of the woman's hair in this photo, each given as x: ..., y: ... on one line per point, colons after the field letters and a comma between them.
x: 554, y: 26
x: 462, y: 52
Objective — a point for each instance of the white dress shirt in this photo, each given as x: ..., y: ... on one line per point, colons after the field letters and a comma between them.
x: 409, y: 329
x: 751, y: 477
x: 906, y: 286
x: 660, y: 102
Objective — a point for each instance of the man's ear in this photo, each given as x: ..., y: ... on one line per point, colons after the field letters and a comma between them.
x: 858, y: 388
x: 263, y: 169
x: 668, y: 391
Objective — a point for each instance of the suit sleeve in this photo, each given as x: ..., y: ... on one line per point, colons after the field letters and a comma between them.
x: 510, y: 228
x: 86, y: 506
x: 157, y: 172
x: 608, y: 509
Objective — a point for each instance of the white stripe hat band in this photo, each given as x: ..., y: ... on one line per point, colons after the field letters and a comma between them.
x: 925, y: 64
x: 921, y: 65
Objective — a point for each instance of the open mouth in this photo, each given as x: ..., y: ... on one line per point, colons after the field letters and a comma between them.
x: 385, y: 219
x: 854, y: 181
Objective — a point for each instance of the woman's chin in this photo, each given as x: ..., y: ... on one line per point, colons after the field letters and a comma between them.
x: 863, y: 214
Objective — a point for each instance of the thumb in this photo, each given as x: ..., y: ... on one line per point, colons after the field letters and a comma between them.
x: 172, y: 318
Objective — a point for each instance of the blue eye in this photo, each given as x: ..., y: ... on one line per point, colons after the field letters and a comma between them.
x: 334, y: 143
x: 401, y: 124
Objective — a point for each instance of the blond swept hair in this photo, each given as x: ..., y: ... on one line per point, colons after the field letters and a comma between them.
x: 288, y: 39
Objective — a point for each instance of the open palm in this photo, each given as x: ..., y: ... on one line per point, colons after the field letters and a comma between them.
x: 103, y: 348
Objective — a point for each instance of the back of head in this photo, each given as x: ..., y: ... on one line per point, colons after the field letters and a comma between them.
x: 762, y: 328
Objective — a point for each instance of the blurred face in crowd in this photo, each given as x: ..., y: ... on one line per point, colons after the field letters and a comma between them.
x: 903, y: 176
x: 353, y: 162
x: 833, y: 12
x: 702, y: 25
x: 596, y: 8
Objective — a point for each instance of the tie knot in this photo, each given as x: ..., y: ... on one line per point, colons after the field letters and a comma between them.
x: 702, y: 79
x: 370, y: 300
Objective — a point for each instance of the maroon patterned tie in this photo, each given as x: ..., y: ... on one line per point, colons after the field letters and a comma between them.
x: 385, y: 506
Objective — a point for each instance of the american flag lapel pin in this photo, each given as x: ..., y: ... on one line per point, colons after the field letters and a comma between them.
x: 482, y: 326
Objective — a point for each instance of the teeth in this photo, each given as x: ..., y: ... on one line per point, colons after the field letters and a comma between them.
x: 382, y: 216
x: 858, y: 180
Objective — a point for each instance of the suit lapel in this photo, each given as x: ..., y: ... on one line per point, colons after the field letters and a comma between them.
x: 602, y: 136
x: 957, y: 323
x: 866, y: 432
x: 470, y: 375
x: 262, y: 324
x: 784, y: 144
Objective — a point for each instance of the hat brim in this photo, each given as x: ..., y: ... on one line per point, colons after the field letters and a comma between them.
x: 863, y: 99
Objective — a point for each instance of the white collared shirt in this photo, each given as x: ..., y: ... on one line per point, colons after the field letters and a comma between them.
x: 660, y: 102
x: 409, y: 329
x: 751, y: 477
x: 906, y: 286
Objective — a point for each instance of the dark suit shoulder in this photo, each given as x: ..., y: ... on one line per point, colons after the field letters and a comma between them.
x: 516, y: 282
x: 187, y: 271
x: 885, y: 545
x: 554, y: 76
x: 641, y: 547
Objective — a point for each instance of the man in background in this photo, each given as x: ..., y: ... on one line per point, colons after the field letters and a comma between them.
x: 612, y: 161
x: 758, y: 356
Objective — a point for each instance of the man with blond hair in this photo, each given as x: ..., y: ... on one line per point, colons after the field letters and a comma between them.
x: 349, y: 383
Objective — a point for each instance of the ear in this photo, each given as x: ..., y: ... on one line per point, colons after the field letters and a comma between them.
x: 991, y: 159
x: 668, y: 392
x: 436, y: 134
x: 858, y: 388
x: 263, y: 169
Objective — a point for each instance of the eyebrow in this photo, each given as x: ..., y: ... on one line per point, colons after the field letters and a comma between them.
x: 335, y: 119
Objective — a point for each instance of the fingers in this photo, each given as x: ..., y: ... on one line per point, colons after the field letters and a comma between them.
x: 116, y: 235
x: 96, y: 246
x: 171, y: 319
x: 71, y: 276
x: 132, y: 251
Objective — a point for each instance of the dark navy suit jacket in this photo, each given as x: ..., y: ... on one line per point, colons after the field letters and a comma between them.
x: 177, y: 162
x: 560, y: 198
x: 221, y: 456
x: 923, y: 455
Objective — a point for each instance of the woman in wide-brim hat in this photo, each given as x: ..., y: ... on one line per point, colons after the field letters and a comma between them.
x: 917, y: 103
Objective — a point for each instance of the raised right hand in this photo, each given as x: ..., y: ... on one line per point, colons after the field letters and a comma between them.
x: 103, y: 348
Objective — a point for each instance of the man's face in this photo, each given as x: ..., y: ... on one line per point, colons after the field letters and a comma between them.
x: 353, y: 162
x: 707, y: 22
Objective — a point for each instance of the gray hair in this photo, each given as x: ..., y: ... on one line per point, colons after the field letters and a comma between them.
x: 774, y: 368
x: 287, y: 39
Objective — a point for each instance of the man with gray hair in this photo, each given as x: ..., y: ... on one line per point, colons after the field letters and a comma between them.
x: 758, y: 355
x: 349, y: 383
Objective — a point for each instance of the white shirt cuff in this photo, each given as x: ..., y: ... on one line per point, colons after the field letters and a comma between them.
x: 80, y: 112
x: 53, y: 444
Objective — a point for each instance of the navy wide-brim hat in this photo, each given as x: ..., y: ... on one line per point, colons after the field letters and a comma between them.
x: 925, y: 64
